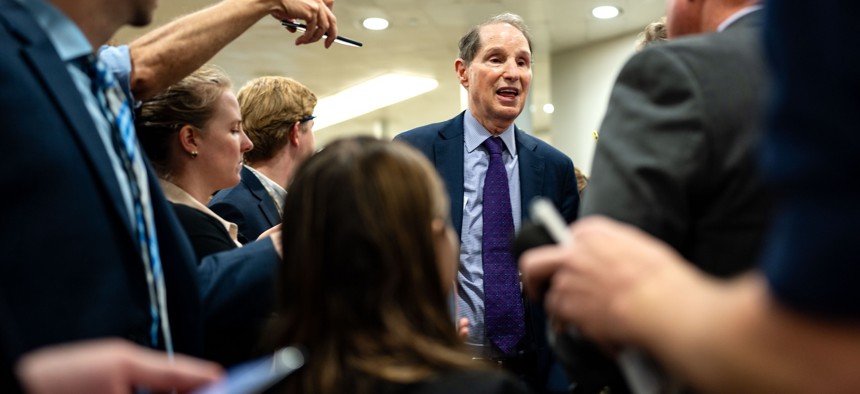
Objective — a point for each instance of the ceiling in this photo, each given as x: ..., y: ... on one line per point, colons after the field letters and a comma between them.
x: 421, y: 40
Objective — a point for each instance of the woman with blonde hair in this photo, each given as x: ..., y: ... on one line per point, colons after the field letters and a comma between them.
x: 370, y: 259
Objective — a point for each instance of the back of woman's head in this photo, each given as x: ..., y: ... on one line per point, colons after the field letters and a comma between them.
x: 360, y: 286
x: 191, y: 101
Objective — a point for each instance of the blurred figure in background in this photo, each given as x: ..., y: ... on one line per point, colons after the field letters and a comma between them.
x: 369, y: 266
x: 654, y: 33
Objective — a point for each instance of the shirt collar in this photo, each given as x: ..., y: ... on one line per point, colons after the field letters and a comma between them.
x: 267, y: 182
x: 475, y: 134
x: 68, y: 40
x: 177, y: 195
x: 738, y: 15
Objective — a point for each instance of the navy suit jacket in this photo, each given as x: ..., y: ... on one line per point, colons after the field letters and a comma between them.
x: 544, y: 171
x: 810, y: 158
x: 70, y: 268
x: 247, y: 204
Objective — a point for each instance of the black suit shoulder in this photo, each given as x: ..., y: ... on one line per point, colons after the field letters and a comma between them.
x: 207, y: 235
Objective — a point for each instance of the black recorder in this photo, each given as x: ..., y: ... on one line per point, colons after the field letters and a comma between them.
x: 589, y: 370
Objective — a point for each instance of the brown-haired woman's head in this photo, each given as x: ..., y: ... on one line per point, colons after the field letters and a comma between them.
x: 193, y: 129
x: 369, y: 260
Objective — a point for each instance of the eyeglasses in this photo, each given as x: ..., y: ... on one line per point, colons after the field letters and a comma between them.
x: 308, y: 118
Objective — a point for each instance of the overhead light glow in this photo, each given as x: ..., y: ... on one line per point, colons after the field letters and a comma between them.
x: 605, y: 12
x: 375, y: 23
x: 369, y: 96
x: 548, y: 108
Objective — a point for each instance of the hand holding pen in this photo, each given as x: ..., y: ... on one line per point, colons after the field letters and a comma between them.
x: 338, y: 39
x: 319, y: 19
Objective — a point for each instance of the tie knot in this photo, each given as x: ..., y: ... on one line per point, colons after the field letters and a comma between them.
x: 494, y: 145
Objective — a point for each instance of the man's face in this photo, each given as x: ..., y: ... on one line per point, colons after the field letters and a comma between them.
x: 683, y: 17
x: 499, y: 76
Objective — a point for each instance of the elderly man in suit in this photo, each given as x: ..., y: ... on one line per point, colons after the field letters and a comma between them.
x: 277, y: 115
x: 105, y: 256
x: 675, y: 156
x: 492, y: 170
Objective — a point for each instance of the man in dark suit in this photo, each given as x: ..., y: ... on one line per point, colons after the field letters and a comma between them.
x: 249, y: 205
x: 277, y: 115
x: 495, y: 67
x: 675, y: 156
x: 73, y: 264
x: 676, y: 150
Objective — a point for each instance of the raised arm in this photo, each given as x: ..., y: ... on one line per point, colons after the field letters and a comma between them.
x: 170, y: 52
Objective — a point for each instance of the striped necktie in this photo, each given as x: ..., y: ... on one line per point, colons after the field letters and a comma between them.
x: 117, y: 110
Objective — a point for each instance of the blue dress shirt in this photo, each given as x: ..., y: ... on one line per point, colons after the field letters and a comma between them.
x: 470, y: 278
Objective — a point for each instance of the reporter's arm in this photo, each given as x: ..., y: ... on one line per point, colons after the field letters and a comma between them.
x: 110, y: 366
x: 170, y: 52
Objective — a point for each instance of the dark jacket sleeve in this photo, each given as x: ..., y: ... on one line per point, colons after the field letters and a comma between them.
x: 8, y: 380
x: 652, y: 147
x: 207, y: 235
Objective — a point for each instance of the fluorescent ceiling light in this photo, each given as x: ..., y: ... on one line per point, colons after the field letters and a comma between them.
x: 605, y: 12
x: 369, y: 96
x: 375, y: 23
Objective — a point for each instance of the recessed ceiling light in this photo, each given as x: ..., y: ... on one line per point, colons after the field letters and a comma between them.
x: 605, y: 12
x: 548, y: 108
x: 375, y: 23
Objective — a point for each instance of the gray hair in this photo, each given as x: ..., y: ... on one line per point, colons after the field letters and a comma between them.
x: 470, y: 43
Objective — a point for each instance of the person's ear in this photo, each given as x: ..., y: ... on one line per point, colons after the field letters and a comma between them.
x: 462, y: 69
x: 189, y: 140
x: 294, y: 134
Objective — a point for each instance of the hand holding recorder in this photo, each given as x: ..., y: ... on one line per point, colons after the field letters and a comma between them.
x: 577, y: 292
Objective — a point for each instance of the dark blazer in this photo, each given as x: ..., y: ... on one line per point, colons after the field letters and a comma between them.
x: 69, y: 265
x: 8, y: 342
x: 810, y: 158
x: 247, y: 204
x: 206, y: 234
x: 544, y: 171
x: 676, y: 151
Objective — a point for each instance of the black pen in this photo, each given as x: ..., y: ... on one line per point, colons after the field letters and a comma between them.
x: 338, y: 39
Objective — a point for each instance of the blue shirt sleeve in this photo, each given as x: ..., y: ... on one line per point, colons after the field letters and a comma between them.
x: 118, y: 61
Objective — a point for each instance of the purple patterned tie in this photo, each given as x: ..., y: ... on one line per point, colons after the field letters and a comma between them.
x: 503, y: 304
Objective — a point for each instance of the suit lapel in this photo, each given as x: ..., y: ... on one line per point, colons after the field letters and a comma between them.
x: 42, y: 57
x: 531, y: 170
x: 449, y: 161
x: 266, y: 205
